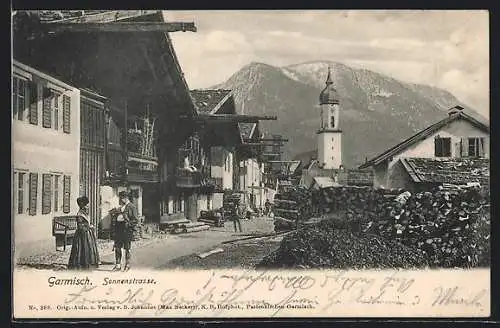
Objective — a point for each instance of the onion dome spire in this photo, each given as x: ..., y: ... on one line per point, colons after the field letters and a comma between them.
x: 329, y: 94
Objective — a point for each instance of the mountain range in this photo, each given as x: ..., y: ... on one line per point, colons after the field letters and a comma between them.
x: 376, y: 111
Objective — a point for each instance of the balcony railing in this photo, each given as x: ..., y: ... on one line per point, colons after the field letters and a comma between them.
x: 196, y: 179
x: 142, y: 168
x: 141, y: 175
x: 187, y: 179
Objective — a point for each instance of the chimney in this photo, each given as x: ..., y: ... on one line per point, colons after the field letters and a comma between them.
x: 455, y: 110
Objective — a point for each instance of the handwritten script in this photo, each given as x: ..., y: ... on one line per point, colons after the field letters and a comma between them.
x: 222, y: 293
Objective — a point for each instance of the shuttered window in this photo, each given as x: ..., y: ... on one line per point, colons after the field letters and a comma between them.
x: 475, y: 147
x: 56, y: 193
x: 33, y: 183
x: 19, y: 87
x: 15, y: 89
x: 20, y: 192
x: 21, y: 100
x: 47, y: 108
x: 33, y: 104
x: 66, y: 193
x: 46, y: 193
x: 442, y: 147
x: 66, y: 114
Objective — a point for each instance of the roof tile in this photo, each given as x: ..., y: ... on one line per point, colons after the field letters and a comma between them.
x: 451, y: 171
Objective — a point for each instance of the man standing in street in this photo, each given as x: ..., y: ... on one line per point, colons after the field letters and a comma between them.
x: 268, y: 207
x: 125, y: 223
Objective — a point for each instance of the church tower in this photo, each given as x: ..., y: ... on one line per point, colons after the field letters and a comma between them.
x: 329, y: 134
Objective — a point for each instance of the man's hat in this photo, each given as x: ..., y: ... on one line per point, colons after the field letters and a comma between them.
x: 123, y: 194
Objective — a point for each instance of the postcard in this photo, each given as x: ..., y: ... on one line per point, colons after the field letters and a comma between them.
x: 225, y: 164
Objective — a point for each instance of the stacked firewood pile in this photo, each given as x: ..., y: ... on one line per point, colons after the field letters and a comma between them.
x: 451, y: 226
x: 331, y: 244
x: 291, y: 208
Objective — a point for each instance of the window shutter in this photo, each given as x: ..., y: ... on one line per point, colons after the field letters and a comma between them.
x: 56, y: 112
x: 436, y: 147
x: 465, y: 147
x: 66, y: 114
x: 46, y: 109
x: 447, y: 147
x: 481, y: 147
x: 14, y: 96
x: 66, y: 194
x: 46, y: 193
x: 21, y: 101
x: 457, y: 149
x: 33, y: 193
x: 33, y: 94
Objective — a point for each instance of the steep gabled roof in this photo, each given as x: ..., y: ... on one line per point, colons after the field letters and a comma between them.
x: 294, y: 166
x: 451, y: 171
x: 209, y: 101
x: 424, y: 134
x: 247, y: 130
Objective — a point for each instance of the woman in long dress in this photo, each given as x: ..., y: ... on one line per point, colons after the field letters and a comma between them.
x: 84, y: 254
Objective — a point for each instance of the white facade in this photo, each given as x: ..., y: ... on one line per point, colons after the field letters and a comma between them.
x: 251, y: 178
x: 222, y: 166
x: 45, y: 152
x: 330, y: 138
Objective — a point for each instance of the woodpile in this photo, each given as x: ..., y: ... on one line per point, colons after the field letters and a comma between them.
x: 291, y: 208
x: 451, y: 225
x: 328, y: 245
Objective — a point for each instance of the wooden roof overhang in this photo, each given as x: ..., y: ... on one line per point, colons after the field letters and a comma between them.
x: 218, y: 132
x: 222, y: 129
x: 128, y: 58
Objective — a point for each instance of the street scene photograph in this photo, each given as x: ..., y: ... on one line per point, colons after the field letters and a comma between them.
x: 253, y: 140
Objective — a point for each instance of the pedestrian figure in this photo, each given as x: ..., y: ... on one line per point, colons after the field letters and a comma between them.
x: 84, y: 254
x: 268, y: 207
x: 124, y: 224
x: 237, y: 215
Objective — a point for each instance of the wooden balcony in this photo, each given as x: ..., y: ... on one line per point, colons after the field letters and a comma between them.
x: 187, y: 179
x: 142, y: 176
x: 142, y: 169
x: 196, y: 179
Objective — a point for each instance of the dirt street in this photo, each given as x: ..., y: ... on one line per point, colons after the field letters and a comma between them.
x: 158, y: 251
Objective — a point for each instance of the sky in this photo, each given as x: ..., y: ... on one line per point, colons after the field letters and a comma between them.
x: 446, y: 49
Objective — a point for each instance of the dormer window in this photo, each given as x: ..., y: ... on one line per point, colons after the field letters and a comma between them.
x: 442, y: 147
